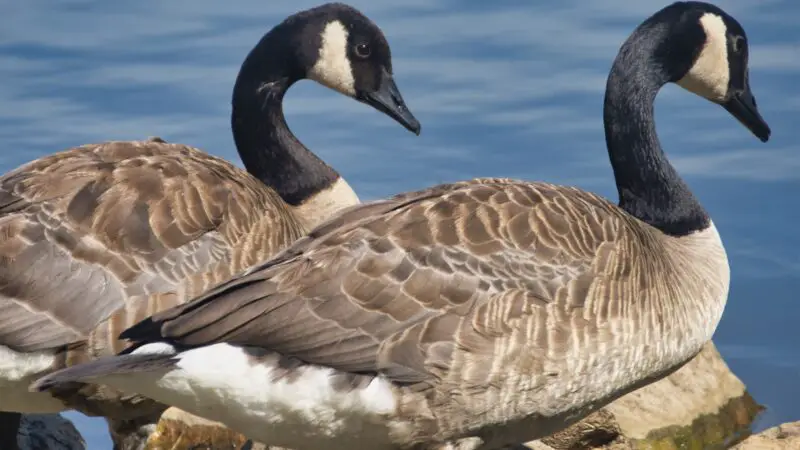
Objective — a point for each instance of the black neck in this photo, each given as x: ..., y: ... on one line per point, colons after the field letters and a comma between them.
x: 649, y: 187
x: 267, y: 147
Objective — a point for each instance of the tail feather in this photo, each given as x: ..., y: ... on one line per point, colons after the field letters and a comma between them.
x: 114, y: 365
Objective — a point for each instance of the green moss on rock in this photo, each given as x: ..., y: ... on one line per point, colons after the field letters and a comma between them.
x: 731, y: 424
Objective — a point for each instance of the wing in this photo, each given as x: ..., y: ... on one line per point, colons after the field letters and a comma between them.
x: 403, y: 286
x: 86, y: 230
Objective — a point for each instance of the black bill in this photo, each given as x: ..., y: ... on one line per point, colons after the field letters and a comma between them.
x: 742, y: 105
x: 387, y: 99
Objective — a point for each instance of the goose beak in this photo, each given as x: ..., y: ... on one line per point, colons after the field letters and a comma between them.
x: 742, y: 105
x: 387, y: 99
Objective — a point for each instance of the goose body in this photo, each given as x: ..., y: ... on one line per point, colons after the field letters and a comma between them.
x: 472, y: 315
x: 97, y: 237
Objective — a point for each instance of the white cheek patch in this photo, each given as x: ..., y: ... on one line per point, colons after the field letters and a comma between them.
x: 710, y: 74
x: 333, y: 67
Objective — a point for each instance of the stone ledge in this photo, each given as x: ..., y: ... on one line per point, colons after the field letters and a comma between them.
x: 179, y: 430
x: 782, y: 437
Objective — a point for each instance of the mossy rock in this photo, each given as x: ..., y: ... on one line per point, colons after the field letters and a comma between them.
x: 708, y: 432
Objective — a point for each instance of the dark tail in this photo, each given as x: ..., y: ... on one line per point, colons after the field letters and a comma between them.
x: 113, y: 365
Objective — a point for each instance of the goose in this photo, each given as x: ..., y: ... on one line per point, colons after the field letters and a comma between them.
x: 472, y: 315
x: 97, y: 237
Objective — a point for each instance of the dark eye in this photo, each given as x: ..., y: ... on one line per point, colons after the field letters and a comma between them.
x: 363, y: 50
x: 737, y: 43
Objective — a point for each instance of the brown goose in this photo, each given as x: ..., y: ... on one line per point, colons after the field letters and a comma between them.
x: 472, y: 315
x: 97, y: 237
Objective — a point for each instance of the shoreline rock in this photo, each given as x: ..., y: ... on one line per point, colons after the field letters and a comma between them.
x: 48, y: 432
x: 782, y: 437
x: 179, y: 430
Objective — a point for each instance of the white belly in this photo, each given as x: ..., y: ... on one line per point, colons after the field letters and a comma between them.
x: 301, y: 410
x: 17, y: 371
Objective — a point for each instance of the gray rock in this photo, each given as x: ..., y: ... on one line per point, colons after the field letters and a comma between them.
x: 48, y: 432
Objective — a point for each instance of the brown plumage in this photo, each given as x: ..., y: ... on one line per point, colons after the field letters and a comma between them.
x: 117, y: 228
x: 386, y: 287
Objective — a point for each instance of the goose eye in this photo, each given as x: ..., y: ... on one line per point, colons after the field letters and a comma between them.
x: 737, y: 44
x: 363, y: 50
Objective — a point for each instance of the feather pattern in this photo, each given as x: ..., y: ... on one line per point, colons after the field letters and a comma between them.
x: 110, y: 233
x: 469, y: 292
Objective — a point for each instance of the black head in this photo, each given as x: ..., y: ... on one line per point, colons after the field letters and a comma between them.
x: 339, y: 47
x: 706, y: 53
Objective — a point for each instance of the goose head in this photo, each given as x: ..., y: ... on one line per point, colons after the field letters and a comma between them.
x: 710, y: 59
x: 349, y: 54
x: 336, y: 46
x: 339, y: 47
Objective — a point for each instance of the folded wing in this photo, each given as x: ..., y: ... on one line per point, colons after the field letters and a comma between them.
x: 411, y: 286
x: 89, y: 231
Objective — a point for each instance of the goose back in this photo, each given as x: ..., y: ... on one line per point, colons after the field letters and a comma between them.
x: 95, y: 238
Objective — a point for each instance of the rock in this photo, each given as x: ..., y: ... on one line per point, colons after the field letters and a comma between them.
x: 48, y: 432
x: 782, y: 437
x: 598, y: 430
x: 179, y: 430
x: 702, y: 405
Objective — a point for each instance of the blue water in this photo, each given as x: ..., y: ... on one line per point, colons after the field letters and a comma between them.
x: 507, y: 88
